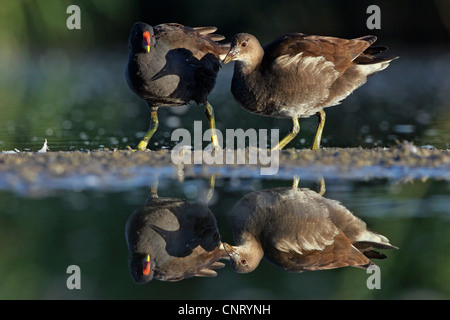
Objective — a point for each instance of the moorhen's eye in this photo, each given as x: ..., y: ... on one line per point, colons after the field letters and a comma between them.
x: 244, y: 44
x: 243, y: 261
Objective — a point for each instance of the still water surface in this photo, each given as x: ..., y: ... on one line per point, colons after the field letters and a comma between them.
x: 41, y: 237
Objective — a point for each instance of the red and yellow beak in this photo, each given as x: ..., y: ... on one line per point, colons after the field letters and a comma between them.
x: 146, y: 270
x: 147, y: 36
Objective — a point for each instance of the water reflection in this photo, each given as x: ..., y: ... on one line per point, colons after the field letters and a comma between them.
x: 171, y: 239
x: 86, y: 228
x: 296, y: 229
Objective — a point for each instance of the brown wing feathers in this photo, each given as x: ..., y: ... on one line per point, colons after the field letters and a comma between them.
x: 341, y: 52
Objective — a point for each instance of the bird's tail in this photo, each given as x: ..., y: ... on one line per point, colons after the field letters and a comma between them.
x: 372, y: 63
x: 370, y: 240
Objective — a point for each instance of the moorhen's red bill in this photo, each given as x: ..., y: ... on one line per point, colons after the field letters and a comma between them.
x: 297, y: 229
x: 298, y: 75
x: 171, y: 65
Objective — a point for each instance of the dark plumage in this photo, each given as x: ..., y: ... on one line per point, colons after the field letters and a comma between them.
x: 297, y: 75
x: 297, y: 230
x: 171, y: 65
x: 172, y: 239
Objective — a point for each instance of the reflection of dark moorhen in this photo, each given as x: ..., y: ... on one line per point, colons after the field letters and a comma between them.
x: 297, y: 75
x: 172, y: 239
x: 170, y: 65
x: 297, y: 229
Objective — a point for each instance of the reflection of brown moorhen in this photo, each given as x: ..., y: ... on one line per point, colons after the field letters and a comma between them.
x: 297, y: 229
x: 171, y: 65
x: 172, y: 239
x: 297, y: 75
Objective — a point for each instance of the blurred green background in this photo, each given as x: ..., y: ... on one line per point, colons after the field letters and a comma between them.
x: 68, y: 85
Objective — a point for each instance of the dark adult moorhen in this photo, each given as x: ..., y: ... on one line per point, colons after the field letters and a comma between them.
x: 298, y: 75
x: 297, y: 229
x: 171, y: 65
x: 172, y: 239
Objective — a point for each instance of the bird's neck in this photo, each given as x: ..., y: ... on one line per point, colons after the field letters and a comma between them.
x: 251, y: 247
x: 251, y: 63
x: 142, y: 55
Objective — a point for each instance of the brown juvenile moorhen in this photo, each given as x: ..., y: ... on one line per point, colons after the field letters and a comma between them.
x: 171, y: 65
x: 297, y: 75
x: 297, y: 229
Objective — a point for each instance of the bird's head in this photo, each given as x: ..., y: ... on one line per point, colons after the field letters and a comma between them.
x: 141, y: 36
x: 242, y: 261
x: 244, y: 47
x: 141, y: 268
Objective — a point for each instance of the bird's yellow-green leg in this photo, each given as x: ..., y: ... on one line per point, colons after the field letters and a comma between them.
x: 295, y: 182
x: 321, y: 115
x: 322, y: 187
x: 212, y: 183
x: 294, y: 131
x: 154, y: 190
x: 153, y: 126
x: 209, y: 111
